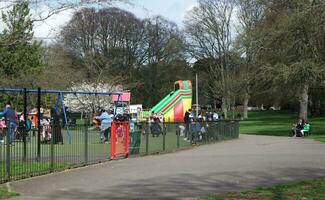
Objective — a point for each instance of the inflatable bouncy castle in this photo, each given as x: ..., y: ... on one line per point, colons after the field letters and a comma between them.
x: 176, y: 103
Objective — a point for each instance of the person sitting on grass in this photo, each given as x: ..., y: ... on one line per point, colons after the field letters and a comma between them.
x: 306, y: 128
x: 296, y: 130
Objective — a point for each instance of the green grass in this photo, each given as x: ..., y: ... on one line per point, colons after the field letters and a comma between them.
x: 279, y: 123
x: 5, y: 194
x: 305, y: 190
x: 22, y: 169
x: 320, y: 138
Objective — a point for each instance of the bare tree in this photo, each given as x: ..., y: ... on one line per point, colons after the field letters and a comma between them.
x: 164, y: 44
x: 209, y: 30
x: 105, y: 41
x: 250, y: 13
x: 44, y: 9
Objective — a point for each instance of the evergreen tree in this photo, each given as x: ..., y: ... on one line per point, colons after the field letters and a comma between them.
x: 19, y: 54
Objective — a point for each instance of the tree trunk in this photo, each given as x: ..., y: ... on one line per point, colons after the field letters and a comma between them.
x: 246, y: 100
x: 304, y: 102
x: 224, y: 108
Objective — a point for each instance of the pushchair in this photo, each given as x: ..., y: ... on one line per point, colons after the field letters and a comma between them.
x: 21, y: 129
x: 155, y: 129
x: 45, y: 131
x: 198, y: 130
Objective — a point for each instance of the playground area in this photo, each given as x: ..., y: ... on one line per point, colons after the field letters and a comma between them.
x: 38, y: 141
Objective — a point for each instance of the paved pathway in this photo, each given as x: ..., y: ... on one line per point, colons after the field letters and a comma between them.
x: 240, y: 164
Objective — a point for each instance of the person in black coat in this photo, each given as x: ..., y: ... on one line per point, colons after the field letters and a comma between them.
x: 56, y: 127
x: 296, y: 130
x: 187, y: 121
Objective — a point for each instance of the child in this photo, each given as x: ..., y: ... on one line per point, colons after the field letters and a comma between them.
x: 2, y: 130
x: 182, y: 130
x: 306, y: 128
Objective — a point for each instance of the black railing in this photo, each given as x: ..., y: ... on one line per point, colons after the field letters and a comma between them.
x: 31, y: 154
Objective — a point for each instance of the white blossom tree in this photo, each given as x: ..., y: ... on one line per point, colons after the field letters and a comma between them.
x: 85, y: 103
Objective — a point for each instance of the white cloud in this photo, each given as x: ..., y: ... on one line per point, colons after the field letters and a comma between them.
x: 49, y: 28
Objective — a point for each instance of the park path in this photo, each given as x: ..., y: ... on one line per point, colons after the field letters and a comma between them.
x: 244, y: 163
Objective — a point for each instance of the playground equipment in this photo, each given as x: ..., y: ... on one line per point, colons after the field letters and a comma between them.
x: 120, y: 139
x: 176, y: 103
x: 59, y: 101
x: 121, y: 102
x: 136, y: 112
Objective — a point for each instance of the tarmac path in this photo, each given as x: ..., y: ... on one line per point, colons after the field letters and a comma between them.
x: 235, y: 165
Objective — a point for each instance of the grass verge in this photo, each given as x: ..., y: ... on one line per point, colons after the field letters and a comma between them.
x: 5, y: 194
x: 279, y: 123
x: 304, y: 190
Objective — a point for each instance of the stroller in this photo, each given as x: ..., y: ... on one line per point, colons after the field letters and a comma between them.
x: 46, y: 131
x: 21, y: 129
x: 155, y: 129
x: 198, y: 131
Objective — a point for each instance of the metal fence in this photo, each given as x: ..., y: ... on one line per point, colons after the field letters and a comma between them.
x: 32, y: 155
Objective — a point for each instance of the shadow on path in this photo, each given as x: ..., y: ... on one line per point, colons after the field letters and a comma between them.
x: 188, y: 186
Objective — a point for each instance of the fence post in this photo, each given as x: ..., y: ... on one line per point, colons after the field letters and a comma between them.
x: 218, y: 132
x: 232, y: 127
x: 178, y: 135
x: 190, y: 133
x: 147, y: 141
x: 52, y: 148
x: 164, y: 137
x: 147, y: 136
x: 25, y: 126
x: 39, y: 124
x: 86, y: 140
x: 206, y: 133
x: 237, y: 129
x: 8, y: 153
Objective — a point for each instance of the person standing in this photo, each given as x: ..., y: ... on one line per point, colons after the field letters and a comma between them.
x: 105, y: 127
x: 11, y: 122
x: 187, y: 121
x: 56, y: 127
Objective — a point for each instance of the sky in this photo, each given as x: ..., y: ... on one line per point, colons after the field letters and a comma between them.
x: 173, y: 10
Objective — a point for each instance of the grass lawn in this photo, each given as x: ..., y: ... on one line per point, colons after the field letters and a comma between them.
x: 279, y: 123
x: 305, y: 190
x: 4, y: 194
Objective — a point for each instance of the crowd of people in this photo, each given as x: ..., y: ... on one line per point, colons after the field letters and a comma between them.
x: 197, y: 125
x: 15, y: 124
x: 11, y: 121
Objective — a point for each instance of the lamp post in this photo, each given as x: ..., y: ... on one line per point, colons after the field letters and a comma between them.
x: 197, y: 95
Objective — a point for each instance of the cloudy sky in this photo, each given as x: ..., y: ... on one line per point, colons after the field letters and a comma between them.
x: 173, y: 10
